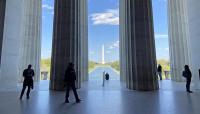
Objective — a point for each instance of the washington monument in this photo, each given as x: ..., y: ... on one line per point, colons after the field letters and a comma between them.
x: 103, y: 55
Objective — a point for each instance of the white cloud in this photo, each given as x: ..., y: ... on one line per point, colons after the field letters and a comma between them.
x: 109, y: 17
x: 163, y: 0
x: 46, y: 53
x: 114, y: 45
x: 47, y: 7
x: 162, y: 49
x: 160, y: 36
x: 159, y: 49
x: 166, y: 49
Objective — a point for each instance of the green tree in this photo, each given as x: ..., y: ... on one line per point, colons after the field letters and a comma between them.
x: 165, y: 64
x: 92, y: 65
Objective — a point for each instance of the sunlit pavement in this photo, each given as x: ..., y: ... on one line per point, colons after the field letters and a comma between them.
x: 96, y: 80
x: 97, y: 74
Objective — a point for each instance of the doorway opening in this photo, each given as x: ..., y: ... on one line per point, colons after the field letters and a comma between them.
x: 47, y: 32
x: 161, y: 36
x: 103, y: 37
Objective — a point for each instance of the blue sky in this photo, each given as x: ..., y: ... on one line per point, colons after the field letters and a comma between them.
x: 103, y: 19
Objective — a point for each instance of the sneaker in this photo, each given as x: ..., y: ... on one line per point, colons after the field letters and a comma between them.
x: 189, y: 91
x: 78, y: 101
x: 28, y: 97
x: 66, y: 101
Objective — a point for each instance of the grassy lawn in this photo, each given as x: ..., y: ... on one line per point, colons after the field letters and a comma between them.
x: 46, y: 64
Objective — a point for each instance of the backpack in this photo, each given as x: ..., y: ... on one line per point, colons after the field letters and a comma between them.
x: 107, y: 76
x: 184, y: 74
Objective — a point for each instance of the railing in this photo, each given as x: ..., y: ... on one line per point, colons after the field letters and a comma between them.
x: 167, y: 74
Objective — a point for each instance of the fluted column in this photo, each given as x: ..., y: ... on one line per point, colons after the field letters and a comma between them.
x: 21, y: 40
x: 69, y: 41
x: 194, y: 31
x: 122, y: 39
x: 30, y: 51
x: 2, y: 17
x: 83, y: 36
x: 12, y: 38
x: 138, y: 45
x: 178, y: 37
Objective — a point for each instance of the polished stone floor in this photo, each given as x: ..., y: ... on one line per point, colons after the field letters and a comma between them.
x: 113, y: 98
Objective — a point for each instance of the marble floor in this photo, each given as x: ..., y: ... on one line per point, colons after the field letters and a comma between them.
x: 113, y: 98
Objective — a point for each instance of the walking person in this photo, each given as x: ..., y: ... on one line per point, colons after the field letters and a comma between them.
x: 159, y: 70
x: 70, y: 78
x: 188, y: 75
x: 28, y: 75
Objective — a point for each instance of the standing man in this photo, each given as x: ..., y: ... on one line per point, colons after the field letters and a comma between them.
x: 159, y: 70
x: 70, y: 78
x: 188, y: 75
x: 107, y: 76
x: 28, y: 75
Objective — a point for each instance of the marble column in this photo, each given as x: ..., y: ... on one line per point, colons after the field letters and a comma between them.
x: 2, y: 16
x: 138, y: 45
x: 69, y: 41
x: 179, y: 43
x: 21, y: 40
x: 10, y: 56
x: 194, y: 32
x: 83, y: 36
x: 122, y: 39
x: 30, y: 51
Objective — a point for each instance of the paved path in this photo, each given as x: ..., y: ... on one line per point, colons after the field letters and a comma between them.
x: 96, y: 80
x: 98, y: 73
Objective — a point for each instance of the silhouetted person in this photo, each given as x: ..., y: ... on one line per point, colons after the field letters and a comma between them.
x: 159, y: 70
x: 188, y: 75
x: 70, y: 78
x: 28, y: 75
x: 107, y: 76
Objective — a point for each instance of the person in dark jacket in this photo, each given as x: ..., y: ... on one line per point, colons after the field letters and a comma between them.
x: 107, y: 76
x: 159, y: 70
x: 70, y: 78
x: 28, y: 75
x: 188, y: 75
